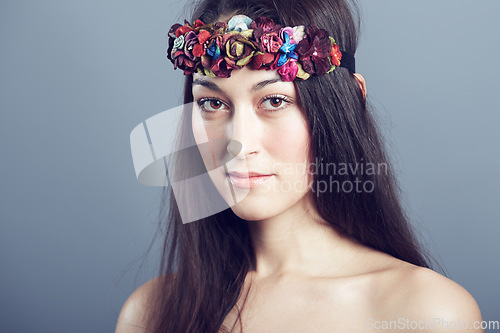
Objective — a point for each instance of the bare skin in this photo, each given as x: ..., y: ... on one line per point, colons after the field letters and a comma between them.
x: 344, y: 287
x: 308, y: 277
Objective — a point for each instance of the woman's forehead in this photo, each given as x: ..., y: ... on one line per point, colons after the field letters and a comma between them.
x: 240, y: 79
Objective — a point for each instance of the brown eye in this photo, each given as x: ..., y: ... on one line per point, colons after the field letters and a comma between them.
x: 212, y: 105
x: 275, y: 102
x: 215, y: 104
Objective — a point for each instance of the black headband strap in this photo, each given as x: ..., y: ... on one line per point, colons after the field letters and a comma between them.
x: 348, y: 61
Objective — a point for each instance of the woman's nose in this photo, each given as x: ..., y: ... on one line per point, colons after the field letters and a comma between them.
x: 243, y: 131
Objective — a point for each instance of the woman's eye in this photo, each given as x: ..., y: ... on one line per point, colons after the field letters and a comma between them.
x: 274, y: 103
x: 214, y: 104
x: 211, y: 104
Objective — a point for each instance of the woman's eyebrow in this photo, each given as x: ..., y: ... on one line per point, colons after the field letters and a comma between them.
x: 264, y: 83
x: 212, y: 86
x: 207, y: 84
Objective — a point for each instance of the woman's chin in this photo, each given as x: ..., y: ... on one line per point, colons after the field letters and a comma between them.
x: 249, y: 212
x: 249, y: 216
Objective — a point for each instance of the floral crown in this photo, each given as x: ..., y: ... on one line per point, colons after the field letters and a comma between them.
x: 216, y: 49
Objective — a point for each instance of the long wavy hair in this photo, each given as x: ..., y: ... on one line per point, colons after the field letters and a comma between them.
x: 204, y: 263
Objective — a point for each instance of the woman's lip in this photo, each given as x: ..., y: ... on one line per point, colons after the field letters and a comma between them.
x: 247, y: 174
x: 248, y: 180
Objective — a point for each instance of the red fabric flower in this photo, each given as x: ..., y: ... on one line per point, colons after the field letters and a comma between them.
x: 266, y: 34
x: 181, y: 61
x: 221, y: 68
x: 314, y: 51
x: 271, y: 42
x: 261, y: 60
x: 184, y: 29
x: 200, y: 47
x: 263, y: 25
x: 197, y: 24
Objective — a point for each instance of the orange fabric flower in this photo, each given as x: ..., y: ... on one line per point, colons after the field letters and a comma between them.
x: 335, y: 55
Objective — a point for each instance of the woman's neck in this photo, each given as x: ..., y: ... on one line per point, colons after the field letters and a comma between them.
x: 299, y: 241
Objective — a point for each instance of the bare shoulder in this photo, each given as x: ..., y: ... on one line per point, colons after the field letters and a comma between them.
x: 133, y: 315
x: 422, y: 294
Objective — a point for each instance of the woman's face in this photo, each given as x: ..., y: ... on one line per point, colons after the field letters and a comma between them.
x: 257, y: 155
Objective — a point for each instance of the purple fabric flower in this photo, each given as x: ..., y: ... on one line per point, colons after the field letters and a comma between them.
x: 190, y: 40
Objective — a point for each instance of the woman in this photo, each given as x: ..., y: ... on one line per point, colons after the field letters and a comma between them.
x: 315, y: 239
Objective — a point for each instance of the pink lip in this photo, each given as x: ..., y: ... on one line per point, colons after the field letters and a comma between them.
x: 248, y: 179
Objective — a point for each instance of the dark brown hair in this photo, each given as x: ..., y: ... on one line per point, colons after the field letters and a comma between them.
x: 204, y: 263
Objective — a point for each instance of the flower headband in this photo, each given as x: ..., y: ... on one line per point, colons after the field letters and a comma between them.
x: 216, y: 49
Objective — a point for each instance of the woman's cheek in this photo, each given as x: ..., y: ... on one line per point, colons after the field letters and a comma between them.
x: 288, y: 142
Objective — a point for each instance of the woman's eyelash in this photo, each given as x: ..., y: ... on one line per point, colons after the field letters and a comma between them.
x: 285, y: 99
x: 201, y: 103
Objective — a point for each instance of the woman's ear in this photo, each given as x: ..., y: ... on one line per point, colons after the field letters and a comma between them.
x: 362, y: 83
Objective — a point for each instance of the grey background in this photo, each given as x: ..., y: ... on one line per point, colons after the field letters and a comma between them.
x: 76, y: 77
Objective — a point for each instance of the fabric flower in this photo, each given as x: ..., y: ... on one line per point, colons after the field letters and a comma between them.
x: 335, y: 54
x: 183, y: 62
x: 171, y: 41
x: 197, y: 24
x: 220, y: 68
x: 184, y: 29
x: 182, y: 39
x: 264, y: 25
x: 219, y: 48
x: 296, y: 34
x: 266, y: 34
x: 199, y: 49
x: 190, y: 40
x: 239, y: 49
x: 289, y: 70
x: 239, y: 23
x: 262, y: 60
x: 179, y: 42
x: 286, y: 50
x: 214, y: 49
x: 271, y: 42
x: 314, y: 51
x: 301, y: 74
x: 213, y: 44
x: 219, y: 28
